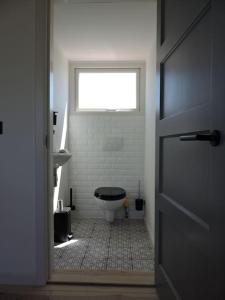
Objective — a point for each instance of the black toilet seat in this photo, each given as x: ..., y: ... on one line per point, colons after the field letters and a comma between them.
x: 110, y: 193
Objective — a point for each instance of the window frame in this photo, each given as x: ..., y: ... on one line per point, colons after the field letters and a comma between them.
x: 108, y: 70
x: 78, y: 67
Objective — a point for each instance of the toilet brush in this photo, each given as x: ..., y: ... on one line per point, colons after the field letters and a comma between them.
x: 71, y: 205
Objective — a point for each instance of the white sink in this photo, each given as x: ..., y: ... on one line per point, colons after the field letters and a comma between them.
x: 61, y: 157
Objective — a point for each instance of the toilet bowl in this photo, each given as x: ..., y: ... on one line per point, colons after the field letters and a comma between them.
x: 109, y: 199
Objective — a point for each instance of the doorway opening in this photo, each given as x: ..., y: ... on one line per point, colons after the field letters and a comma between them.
x: 102, y: 103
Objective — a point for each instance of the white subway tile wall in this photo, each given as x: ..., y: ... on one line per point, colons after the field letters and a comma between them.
x: 93, y: 164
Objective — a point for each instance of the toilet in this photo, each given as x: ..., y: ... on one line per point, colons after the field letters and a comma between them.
x: 109, y: 199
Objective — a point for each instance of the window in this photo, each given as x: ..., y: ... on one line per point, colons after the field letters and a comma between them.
x: 105, y: 88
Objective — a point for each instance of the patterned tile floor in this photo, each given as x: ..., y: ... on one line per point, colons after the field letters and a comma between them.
x: 97, y: 245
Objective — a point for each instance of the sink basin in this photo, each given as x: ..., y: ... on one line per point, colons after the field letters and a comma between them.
x: 60, y: 158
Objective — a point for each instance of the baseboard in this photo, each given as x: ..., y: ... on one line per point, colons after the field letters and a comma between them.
x: 150, y: 232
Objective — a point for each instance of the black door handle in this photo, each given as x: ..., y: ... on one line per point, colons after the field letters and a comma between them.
x: 213, y: 137
x: 1, y: 127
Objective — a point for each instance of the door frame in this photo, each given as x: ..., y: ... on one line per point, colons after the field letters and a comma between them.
x: 41, y: 92
x: 44, y: 91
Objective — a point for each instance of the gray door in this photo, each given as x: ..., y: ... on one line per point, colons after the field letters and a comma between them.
x: 190, y: 172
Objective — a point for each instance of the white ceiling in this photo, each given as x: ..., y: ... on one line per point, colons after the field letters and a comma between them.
x: 105, y: 29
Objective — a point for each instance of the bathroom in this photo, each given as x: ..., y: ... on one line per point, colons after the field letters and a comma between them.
x: 110, y: 143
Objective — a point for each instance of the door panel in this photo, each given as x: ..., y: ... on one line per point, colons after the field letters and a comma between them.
x: 175, y: 242
x: 185, y: 174
x: 186, y: 72
x: 199, y: 120
x: 176, y: 16
x: 190, y: 175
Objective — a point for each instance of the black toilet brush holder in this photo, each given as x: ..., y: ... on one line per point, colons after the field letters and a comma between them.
x: 139, y: 202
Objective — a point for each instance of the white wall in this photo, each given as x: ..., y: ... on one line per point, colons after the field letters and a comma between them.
x: 91, y: 166
x: 104, y: 31
x: 23, y: 91
x: 60, y: 104
x: 150, y: 115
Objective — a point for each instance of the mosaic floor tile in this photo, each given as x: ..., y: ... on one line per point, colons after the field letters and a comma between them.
x: 143, y: 265
x: 70, y: 263
x: 123, y: 245
x: 139, y: 238
x: 122, y: 253
x: 119, y: 265
x: 73, y: 264
x: 93, y: 264
x: 97, y: 242
x: 101, y: 252
x: 142, y: 253
x: 102, y: 227
x: 82, y: 233
x: 119, y: 231
x: 89, y: 221
x: 74, y: 226
x: 58, y: 253
x: 78, y: 243
x: 140, y: 244
x: 138, y: 234
x: 100, y: 234
x: 119, y: 241
x: 100, y: 221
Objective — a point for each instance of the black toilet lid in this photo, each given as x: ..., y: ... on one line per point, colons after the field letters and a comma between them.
x: 110, y: 193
